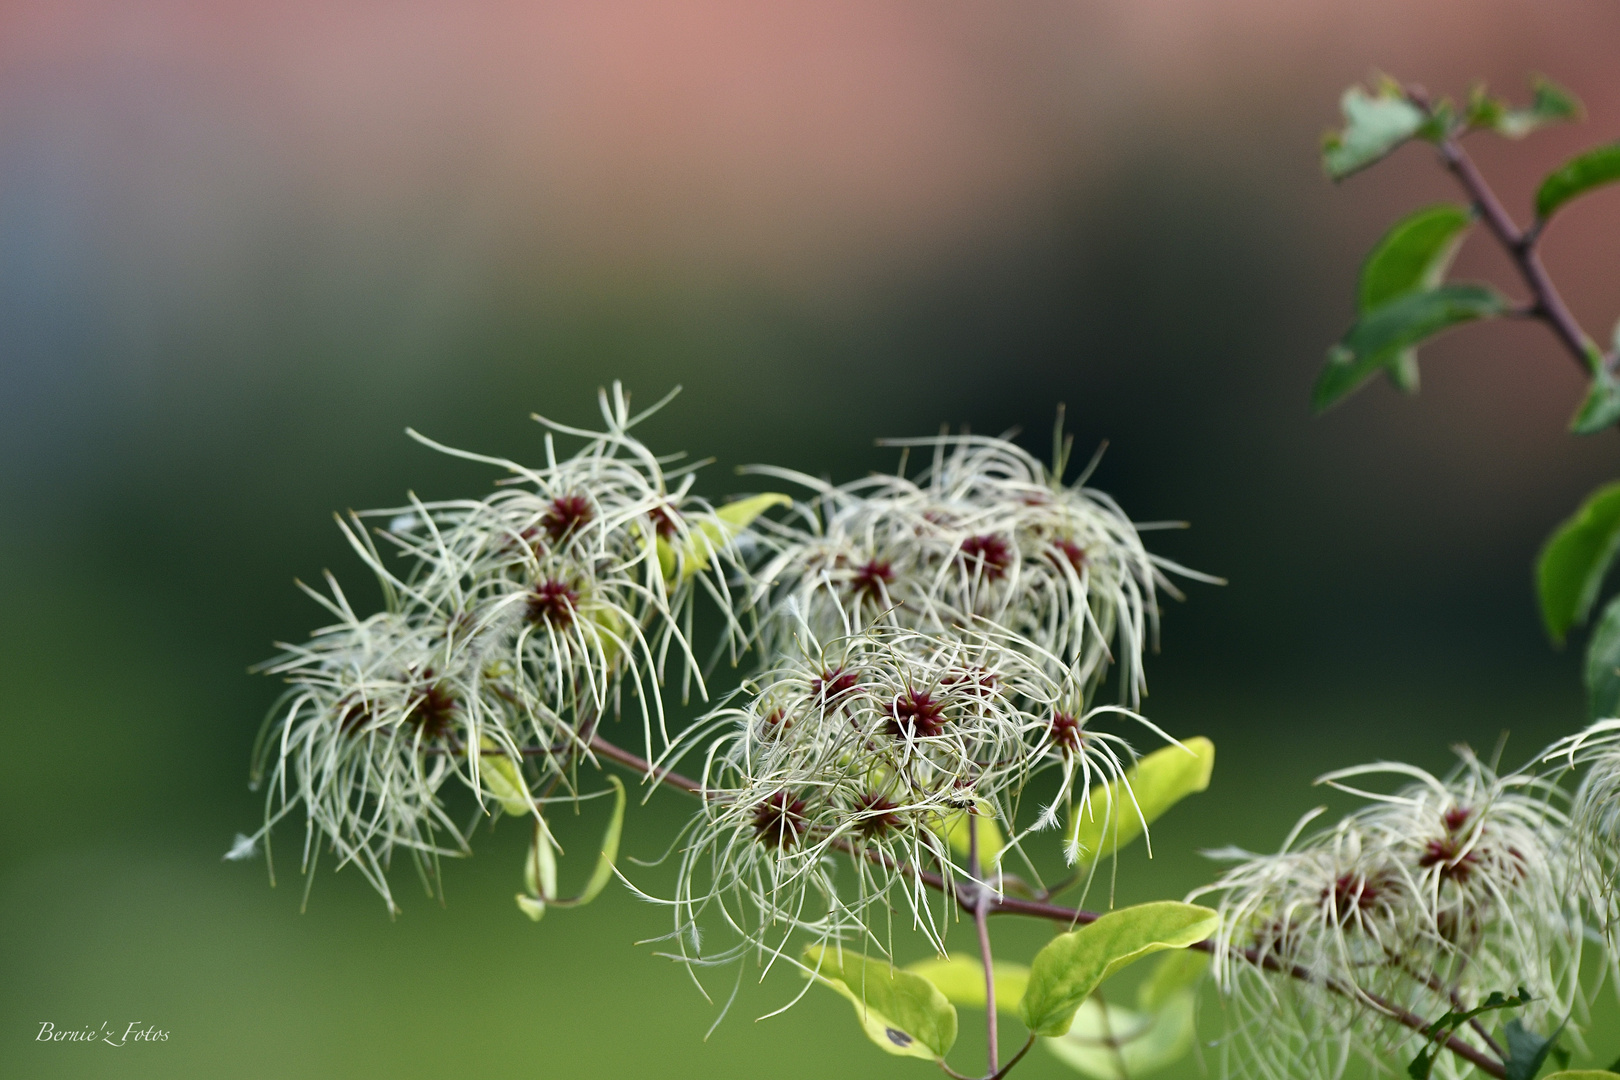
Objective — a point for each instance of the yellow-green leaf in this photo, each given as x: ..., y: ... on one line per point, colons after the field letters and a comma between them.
x: 961, y: 979
x: 1073, y: 965
x: 902, y: 1012
x: 1114, y: 1043
x: 1107, y: 819
x: 503, y: 780
x: 532, y: 906
x: 707, y: 536
x: 1582, y: 1074
x: 609, y: 852
x: 540, y: 868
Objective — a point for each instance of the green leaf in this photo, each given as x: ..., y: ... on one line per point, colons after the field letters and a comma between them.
x: 1375, y: 124
x: 1073, y: 965
x: 540, y: 869
x: 1437, y: 1033
x: 503, y: 780
x: 1177, y: 970
x: 901, y: 1011
x: 532, y: 906
x: 961, y: 979
x: 1580, y: 175
x: 1549, y: 105
x: 1575, y: 559
x: 1601, y: 407
x: 1380, y: 336
x: 1602, y: 669
x: 707, y: 536
x: 1583, y: 1074
x: 1527, y: 1051
x: 1413, y: 255
x: 1107, y: 819
x: 1112, y: 1043
x: 608, y: 855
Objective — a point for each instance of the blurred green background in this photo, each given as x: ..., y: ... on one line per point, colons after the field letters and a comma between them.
x: 242, y: 248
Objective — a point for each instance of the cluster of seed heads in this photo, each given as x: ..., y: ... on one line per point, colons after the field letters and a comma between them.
x: 985, y: 536
x: 929, y: 643
x: 861, y: 756
x: 1440, y: 893
x: 513, y: 625
x: 925, y: 646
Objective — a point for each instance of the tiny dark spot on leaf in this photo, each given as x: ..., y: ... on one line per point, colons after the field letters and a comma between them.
x: 898, y: 1037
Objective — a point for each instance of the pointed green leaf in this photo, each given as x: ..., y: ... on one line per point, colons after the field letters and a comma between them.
x: 709, y: 535
x: 1413, y: 255
x: 1073, y: 965
x: 1374, y: 126
x: 1592, y: 169
x: 1601, y: 407
x: 1113, y: 1043
x: 1602, y: 669
x: 1379, y: 336
x: 609, y: 852
x: 961, y: 979
x: 1108, y: 818
x: 1583, y: 1074
x: 532, y: 906
x: 1527, y: 1051
x: 902, y: 1012
x: 1577, y: 556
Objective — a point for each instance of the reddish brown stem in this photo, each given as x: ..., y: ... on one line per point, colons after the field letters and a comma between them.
x: 1520, y: 244
x: 973, y: 897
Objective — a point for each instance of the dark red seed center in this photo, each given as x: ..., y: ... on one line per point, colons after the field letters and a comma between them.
x: 552, y: 602
x: 434, y: 710
x: 873, y: 579
x: 878, y: 815
x: 1066, y: 732
x: 916, y: 714
x: 780, y: 820
x: 568, y: 514
x: 832, y: 685
x: 989, y: 555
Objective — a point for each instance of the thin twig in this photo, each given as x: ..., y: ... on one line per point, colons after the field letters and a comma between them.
x: 970, y: 897
x: 1520, y: 245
